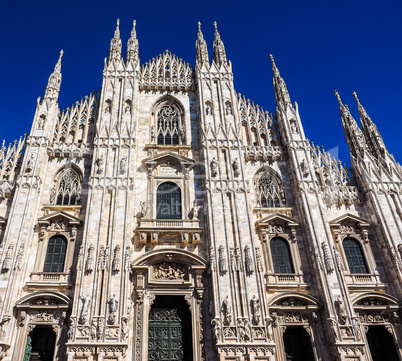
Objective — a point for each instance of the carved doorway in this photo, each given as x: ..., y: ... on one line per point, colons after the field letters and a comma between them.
x: 381, y: 344
x: 40, y: 344
x: 297, y: 345
x: 169, y: 330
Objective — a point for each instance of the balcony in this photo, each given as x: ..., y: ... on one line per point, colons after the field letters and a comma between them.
x: 285, y: 281
x: 363, y: 281
x: 50, y: 280
x: 169, y: 231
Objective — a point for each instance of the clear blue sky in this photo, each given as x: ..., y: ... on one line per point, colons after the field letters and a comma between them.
x: 318, y: 46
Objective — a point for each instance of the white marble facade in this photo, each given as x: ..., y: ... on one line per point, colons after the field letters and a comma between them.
x: 272, y: 244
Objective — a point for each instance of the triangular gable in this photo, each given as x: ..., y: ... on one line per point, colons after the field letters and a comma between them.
x: 277, y: 217
x: 361, y: 222
x: 168, y: 156
x: 47, y: 219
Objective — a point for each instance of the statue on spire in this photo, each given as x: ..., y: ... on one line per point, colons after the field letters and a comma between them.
x: 353, y: 134
x: 53, y: 85
x: 202, y: 56
x: 219, y: 48
x: 370, y: 131
x: 132, y: 46
x: 281, y: 90
x: 115, y: 45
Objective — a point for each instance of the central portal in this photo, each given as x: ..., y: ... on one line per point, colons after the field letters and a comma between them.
x: 169, y: 330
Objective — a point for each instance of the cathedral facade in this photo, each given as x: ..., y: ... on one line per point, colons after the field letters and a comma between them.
x: 169, y: 218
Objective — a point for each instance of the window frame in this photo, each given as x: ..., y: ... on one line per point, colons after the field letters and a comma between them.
x: 53, y: 254
x: 179, y: 192
x: 289, y: 253
x: 362, y: 256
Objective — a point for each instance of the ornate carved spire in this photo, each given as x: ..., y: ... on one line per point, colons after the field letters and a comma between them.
x: 354, y: 135
x: 53, y: 85
x: 132, y: 46
x: 219, y: 48
x: 281, y: 90
x: 115, y: 45
x: 373, y: 137
x: 201, y: 48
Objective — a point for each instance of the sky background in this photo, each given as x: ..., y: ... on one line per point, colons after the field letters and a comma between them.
x: 318, y: 46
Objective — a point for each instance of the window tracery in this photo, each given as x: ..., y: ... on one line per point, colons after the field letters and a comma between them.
x: 68, y: 189
x: 269, y: 191
x: 168, y: 126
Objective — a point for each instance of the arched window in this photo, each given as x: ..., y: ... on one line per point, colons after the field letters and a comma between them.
x: 280, y: 254
x: 269, y: 191
x: 168, y: 201
x: 354, y: 256
x: 68, y: 189
x: 55, y: 254
x: 168, y: 126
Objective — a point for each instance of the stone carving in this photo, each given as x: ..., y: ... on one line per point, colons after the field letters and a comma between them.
x: 18, y: 258
x: 100, y: 328
x: 90, y: 263
x: 124, y: 328
x: 227, y: 310
x: 153, y: 132
x: 116, y: 264
x: 236, y: 167
x: 238, y: 266
x: 8, y: 259
x: 329, y: 263
x: 275, y: 229
x: 258, y: 260
x: 144, y: 209
x: 127, y: 259
x: 244, y: 328
x: 338, y: 260
x: 99, y: 164
x: 223, y: 268
x: 195, y: 210
x: 255, y: 309
x: 333, y: 327
x: 123, y: 165
x: 169, y: 271
x: 217, y: 329
x: 86, y: 303
x: 212, y: 262
x: 214, y: 167
x: 318, y: 258
x: 248, y: 260
x: 113, y: 304
x: 341, y: 309
x: 30, y: 163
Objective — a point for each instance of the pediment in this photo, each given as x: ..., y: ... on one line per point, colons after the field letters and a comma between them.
x: 275, y: 218
x: 167, y: 158
x: 351, y: 219
x: 53, y: 217
x: 48, y: 299
x: 294, y: 299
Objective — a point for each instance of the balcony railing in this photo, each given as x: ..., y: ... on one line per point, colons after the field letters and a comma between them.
x: 185, y: 230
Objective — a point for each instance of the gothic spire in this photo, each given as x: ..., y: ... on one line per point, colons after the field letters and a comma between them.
x: 132, y: 46
x: 202, y: 56
x: 115, y: 44
x: 53, y: 85
x: 354, y: 135
x: 281, y: 90
x: 219, y: 48
x: 370, y: 131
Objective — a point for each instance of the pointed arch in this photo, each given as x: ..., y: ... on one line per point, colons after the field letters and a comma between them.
x: 67, y: 187
x: 169, y: 115
x: 269, y: 189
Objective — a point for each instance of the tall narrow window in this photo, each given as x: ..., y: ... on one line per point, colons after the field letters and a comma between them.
x: 55, y: 254
x: 269, y: 191
x: 168, y: 201
x: 168, y: 126
x: 69, y: 188
x: 280, y: 254
x: 354, y: 256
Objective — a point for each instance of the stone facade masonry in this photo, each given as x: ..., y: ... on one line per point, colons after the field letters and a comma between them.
x: 258, y: 250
